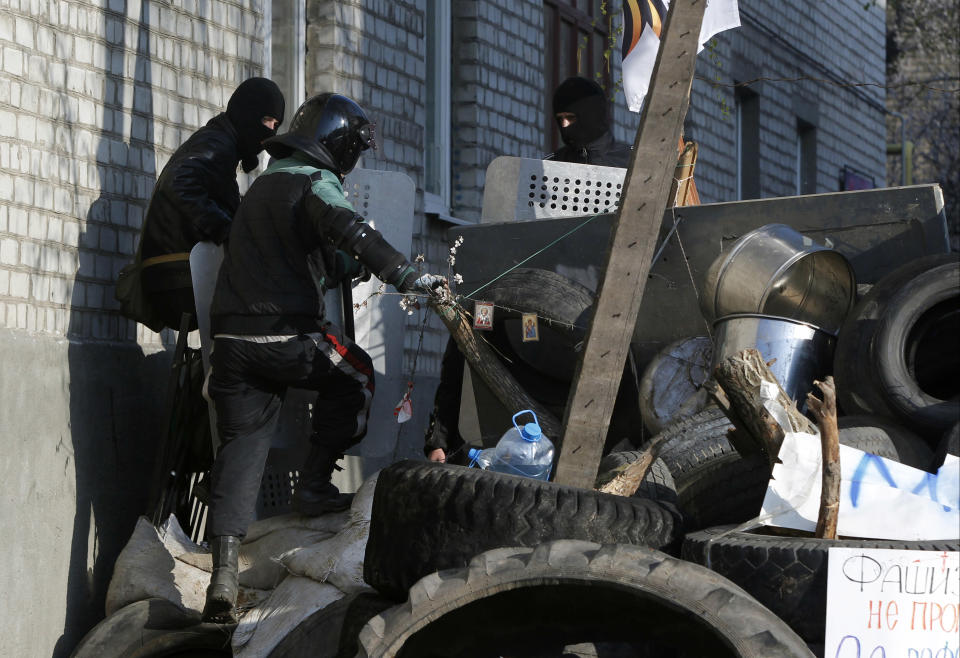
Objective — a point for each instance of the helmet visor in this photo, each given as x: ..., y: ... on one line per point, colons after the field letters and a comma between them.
x: 368, y: 136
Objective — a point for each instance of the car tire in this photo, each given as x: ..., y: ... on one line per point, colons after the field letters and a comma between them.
x: 428, y: 516
x: 152, y: 628
x: 788, y: 575
x: 523, y: 601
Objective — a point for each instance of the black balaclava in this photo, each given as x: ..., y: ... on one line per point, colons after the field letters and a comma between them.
x: 584, y: 98
x: 254, y: 99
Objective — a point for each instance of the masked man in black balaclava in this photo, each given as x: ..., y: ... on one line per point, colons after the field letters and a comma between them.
x: 197, y: 194
x: 583, y: 116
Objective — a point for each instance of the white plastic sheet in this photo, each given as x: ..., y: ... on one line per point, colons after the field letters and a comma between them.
x: 879, y: 498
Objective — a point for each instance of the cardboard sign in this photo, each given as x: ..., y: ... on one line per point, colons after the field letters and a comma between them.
x: 879, y: 498
x: 884, y: 603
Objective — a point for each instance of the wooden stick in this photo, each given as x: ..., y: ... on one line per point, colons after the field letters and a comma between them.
x: 628, y: 480
x: 683, y: 191
x: 825, y: 411
x: 741, y: 378
x: 485, y: 362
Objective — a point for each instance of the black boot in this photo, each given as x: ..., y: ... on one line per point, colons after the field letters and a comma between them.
x: 315, y: 494
x: 221, y: 602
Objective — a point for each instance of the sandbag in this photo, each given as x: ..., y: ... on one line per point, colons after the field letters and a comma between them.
x: 339, y: 559
x: 295, y: 599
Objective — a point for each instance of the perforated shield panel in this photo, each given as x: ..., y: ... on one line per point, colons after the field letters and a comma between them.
x: 520, y: 189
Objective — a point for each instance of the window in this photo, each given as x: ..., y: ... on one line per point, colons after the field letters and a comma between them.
x: 806, y: 158
x: 748, y: 144
x: 436, y: 167
x: 851, y: 179
x: 576, y: 35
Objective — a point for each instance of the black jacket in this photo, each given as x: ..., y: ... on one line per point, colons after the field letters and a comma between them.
x: 194, y: 199
x: 603, y: 151
x: 282, y: 255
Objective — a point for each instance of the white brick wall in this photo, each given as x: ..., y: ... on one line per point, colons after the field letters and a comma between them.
x: 83, y: 133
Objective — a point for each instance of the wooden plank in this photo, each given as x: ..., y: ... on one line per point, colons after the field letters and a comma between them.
x: 644, y: 198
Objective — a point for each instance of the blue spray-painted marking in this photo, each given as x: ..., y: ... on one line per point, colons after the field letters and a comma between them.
x: 929, y: 481
x: 861, y: 469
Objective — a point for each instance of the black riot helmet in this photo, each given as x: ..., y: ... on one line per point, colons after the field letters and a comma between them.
x: 331, y: 129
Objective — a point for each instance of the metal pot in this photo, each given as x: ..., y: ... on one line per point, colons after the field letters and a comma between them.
x: 803, y: 352
x: 775, y: 270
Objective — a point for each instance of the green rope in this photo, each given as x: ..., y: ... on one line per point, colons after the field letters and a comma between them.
x: 533, y: 255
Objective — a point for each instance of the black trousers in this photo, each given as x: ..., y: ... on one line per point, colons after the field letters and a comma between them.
x: 247, y: 384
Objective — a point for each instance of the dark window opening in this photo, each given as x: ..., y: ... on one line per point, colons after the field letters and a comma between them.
x: 748, y: 144
x: 806, y: 158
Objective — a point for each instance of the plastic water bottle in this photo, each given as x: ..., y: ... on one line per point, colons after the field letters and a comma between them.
x: 481, y: 458
x: 521, y: 451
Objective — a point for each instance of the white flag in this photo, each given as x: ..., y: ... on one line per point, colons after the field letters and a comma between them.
x: 642, y: 25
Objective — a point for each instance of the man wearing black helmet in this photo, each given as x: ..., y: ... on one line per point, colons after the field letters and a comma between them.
x: 294, y: 236
x: 197, y: 194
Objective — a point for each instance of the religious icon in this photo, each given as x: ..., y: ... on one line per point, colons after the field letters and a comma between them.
x: 530, y: 329
x: 483, y: 315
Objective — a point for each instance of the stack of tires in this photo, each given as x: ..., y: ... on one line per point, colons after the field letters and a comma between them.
x: 480, y: 563
x: 895, y: 366
x: 898, y: 357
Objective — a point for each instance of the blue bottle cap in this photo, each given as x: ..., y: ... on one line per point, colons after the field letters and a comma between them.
x: 531, y: 432
x: 473, y: 453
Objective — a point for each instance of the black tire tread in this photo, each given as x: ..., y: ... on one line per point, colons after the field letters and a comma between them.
x: 331, y: 632
x: 786, y: 574
x: 657, y: 484
x: 912, y: 450
x: 750, y: 629
x: 443, y: 515
x: 153, y: 627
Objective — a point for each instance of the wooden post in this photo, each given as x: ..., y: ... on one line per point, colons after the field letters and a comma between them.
x: 825, y: 411
x: 741, y: 378
x: 633, y: 241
